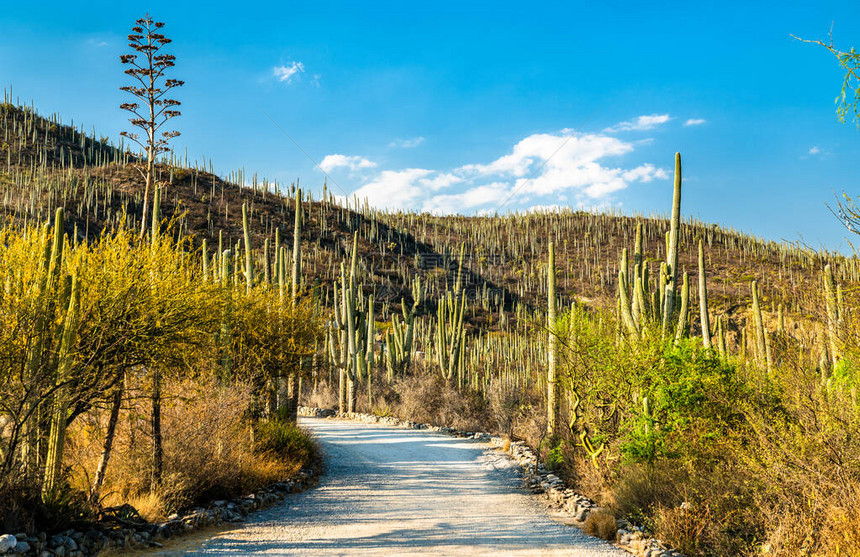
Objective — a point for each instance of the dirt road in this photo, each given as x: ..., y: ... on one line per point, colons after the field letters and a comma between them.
x: 391, y: 491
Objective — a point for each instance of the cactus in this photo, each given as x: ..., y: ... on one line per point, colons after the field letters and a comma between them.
x: 249, y: 256
x: 267, y: 270
x: 297, y: 260
x: 833, y: 317
x: 759, y: 323
x: 226, y: 361
x: 682, y: 328
x: 780, y: 320
x: 36, y: 359
x: 703, y: 299
x: 449, y: 333
x: 552, y: 353
x: 59, y: 415
x: 637, y: 249
x: 626, y: 314
x: 672, y: 251
x: 721, y: 338
x: 205, y: 257
x: 399, y: 344
x: 156, y: 211
x: 354, y: 321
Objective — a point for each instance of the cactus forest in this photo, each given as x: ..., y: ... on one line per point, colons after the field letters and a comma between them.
x: 160, y: 324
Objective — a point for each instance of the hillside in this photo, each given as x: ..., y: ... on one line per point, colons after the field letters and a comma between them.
x: 50, y: 164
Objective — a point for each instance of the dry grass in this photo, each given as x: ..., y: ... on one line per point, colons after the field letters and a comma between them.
x: 209, y: 452
x: 841, y: 532
x: 601, y: 524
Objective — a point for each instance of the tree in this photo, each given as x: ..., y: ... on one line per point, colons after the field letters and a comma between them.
x: 847, y: 103
x: 153, y: 109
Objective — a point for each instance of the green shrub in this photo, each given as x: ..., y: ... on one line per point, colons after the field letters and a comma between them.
x: 694, y: 404
x: 285, y: 440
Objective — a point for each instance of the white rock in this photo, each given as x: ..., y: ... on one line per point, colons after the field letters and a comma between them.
x: 7, y: 543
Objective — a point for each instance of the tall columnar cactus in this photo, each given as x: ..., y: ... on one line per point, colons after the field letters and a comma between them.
x: 267, y: 269
x: 226, y: 284
x: 282, y: 273
x: 672, y: 252
x: 449, y: 333
x: 156, y: 212
x: 759, y: 324
x: 204, y: 252
x: 59, y: 415
x: 624, y: 305
x: 780, y: 320
x: 38, y: 358
x: 297, y: 238
x: 683, y: 325
x: 399, y: 343
x: 353, y: 316
x: 249, y: 255
x: 637, y: 249
x: 721, y: 337
x: 552, y: 353
x: 833, y: 317
x: 703, y: 299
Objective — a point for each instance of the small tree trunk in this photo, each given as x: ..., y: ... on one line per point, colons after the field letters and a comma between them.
x: 116, y: 403
x: 157, y: 448
x: 350, y: 393
x: 292, y: 407
x: 341, y: 391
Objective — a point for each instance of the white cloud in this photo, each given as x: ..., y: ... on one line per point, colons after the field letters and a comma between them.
x: 469, y: 199
x: 695, y: 122
x: 815, y: 150
x: 441, y: 181
x: 644, y: 122
x: 287, y: 73
x: 330, y: 162
x: 394, y: 189
x: 541, y: 170
x: 407, y: 143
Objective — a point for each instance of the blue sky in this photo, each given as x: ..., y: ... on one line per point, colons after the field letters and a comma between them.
x: 457, y: 106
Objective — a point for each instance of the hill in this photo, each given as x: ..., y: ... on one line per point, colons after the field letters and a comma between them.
x: 50, y: 164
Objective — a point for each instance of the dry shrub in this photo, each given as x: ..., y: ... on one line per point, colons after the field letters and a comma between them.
x: 426, y: 398
x: 601, y: 524
x: 841, y: 532
x: 687, y: 528
x: 825, y: 525
x: 209, y: 450
x: 324, y: 396
x: 641, y: 488
x: 18, y: 501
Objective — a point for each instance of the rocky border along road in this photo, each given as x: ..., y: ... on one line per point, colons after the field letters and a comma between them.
x: 574, y: 506
x: 126, y: 534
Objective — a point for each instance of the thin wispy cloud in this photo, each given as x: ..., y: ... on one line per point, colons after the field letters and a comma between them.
x: 407, y: 143
x: 814, y: 150
x: 330, y: 162
x: 96, y: 43
x: 286, y: 73
x: 695, y: 122
x: 540, y: 170
x: 640, y: 123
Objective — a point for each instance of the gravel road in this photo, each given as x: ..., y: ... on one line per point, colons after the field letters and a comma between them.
x: 392, y: 491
